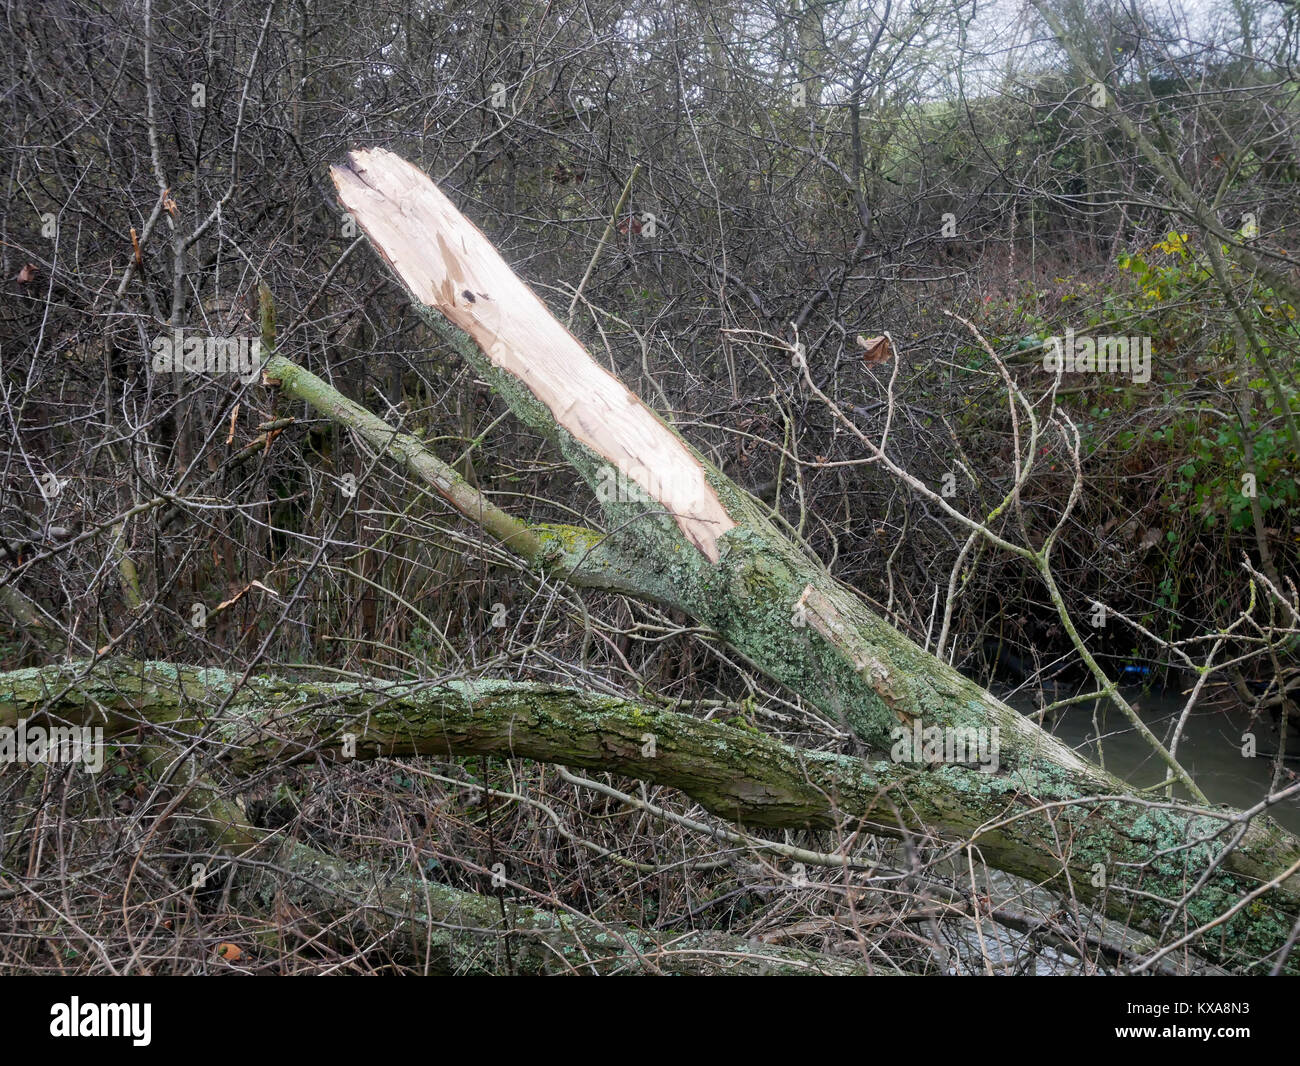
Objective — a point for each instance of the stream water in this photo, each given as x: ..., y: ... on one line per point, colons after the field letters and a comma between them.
x: 1210, y: 749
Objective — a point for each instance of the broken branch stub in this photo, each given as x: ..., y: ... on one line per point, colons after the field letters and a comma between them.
x: 449, y: 265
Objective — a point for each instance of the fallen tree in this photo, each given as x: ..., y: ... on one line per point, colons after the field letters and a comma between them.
x: 683, y: 535
x: 179, y: 717
x: 269, y: 721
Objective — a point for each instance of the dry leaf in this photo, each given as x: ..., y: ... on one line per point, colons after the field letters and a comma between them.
x: 876, y: 349
x: 233, y: 599
x: 27, y: 274
x: 230, y: 437
x: 240, y: 594
x: 229, y: 952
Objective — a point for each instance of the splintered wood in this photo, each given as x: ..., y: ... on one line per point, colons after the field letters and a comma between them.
x: 449, y: 265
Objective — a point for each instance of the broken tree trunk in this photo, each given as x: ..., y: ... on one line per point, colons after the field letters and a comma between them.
x: 685, y: 536
x: 174, y: 714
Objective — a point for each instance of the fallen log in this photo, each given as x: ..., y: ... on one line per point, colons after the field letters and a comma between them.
x: 177, y: 715
x: 273, y: 721
x: 269, y: 721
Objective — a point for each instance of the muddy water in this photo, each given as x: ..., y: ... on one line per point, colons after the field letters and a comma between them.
x: 1210, y: 749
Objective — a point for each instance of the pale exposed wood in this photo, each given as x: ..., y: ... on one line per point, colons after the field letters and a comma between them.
x: 448, y: 264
